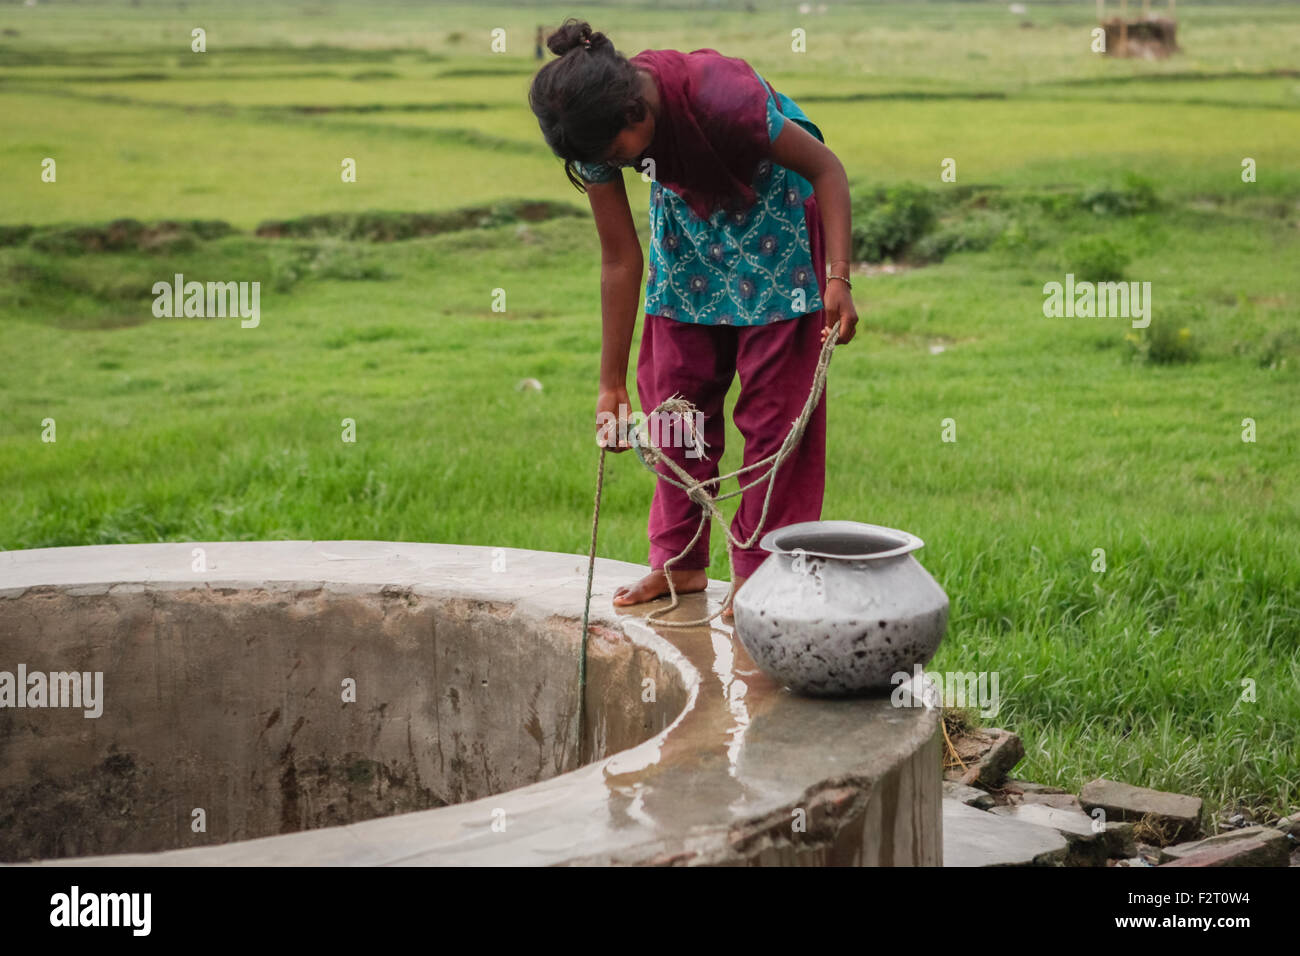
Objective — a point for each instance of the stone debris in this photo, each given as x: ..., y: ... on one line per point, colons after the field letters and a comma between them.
x: 1256, y: 852
x: 971, y: 796
x: 1250, y: 846
x: 1152, y: 854
x: 1172, y: 815
x: 1089, y: 845
x: 1014, y: 824
x: 988, y: 755
x: 974, y: 837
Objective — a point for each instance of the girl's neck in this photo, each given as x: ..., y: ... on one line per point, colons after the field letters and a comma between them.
x: 650, y: 90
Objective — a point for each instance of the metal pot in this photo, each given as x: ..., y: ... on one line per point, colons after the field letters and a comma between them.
x: 840, y: 607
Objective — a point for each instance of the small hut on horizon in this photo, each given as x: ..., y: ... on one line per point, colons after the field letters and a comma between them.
x: 1150, y: 37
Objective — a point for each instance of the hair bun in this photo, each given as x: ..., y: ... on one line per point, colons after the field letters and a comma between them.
x: 574, y: 33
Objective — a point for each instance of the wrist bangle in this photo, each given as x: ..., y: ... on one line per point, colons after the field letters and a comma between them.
x: 845, y: 278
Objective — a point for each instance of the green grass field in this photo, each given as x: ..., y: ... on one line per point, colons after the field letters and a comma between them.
x: 1072, y: 434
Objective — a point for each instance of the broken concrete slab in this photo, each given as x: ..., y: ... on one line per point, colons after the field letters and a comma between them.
x: 971, y: 796
x: 1258, y: 851
x: 1073, y: 824
x: 1175, y: 815
x: 1267, y: 847
x: 975, y: 838
x: 1084, y: 846
x: 1089, y: 845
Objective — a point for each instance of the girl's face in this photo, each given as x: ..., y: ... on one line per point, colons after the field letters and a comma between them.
x: 633, y: 141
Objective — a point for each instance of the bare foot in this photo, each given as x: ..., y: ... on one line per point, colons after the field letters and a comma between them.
x: 655, y: 584
x: 728, y: 614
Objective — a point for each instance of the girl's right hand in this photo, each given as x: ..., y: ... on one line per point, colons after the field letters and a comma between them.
x: 612, y: 409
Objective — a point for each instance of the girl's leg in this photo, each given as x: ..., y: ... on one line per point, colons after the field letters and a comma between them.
x: 776, y: 363
x: 698, y: 362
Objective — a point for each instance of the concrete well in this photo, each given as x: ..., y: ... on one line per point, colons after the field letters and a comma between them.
x: 368, y: 703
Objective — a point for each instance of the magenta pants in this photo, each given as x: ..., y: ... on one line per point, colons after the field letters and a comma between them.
x: 776, y: 364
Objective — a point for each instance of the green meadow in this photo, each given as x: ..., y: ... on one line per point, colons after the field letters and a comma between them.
x: 1112, y: 547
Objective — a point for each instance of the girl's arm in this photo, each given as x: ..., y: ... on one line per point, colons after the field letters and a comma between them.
x: 621, y: 266
x: 797, y: 149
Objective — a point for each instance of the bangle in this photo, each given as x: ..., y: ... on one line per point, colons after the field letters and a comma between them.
x: 845, y: 278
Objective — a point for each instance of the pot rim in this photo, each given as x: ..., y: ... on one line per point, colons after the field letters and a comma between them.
x: 906, y: 542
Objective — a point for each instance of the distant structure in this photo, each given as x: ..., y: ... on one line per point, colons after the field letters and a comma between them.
x: 1151, y: 37
x: 541, y: 40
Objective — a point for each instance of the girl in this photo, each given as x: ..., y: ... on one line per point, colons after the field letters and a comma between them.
x: 737, y: 280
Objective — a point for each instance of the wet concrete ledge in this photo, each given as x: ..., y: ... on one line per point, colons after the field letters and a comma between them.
x: 734, y: 770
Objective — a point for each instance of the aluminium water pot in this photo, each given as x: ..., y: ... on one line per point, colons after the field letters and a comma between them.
x: 839, y: 608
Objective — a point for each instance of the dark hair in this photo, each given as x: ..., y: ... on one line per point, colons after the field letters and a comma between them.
x: 584, y: 99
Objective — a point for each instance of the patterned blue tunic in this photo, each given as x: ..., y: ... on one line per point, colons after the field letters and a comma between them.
x: 744, y: 268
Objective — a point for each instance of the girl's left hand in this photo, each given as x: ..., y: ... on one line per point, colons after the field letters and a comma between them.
x: 839, y: 308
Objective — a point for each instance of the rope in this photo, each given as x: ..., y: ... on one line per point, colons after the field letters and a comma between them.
x: 697, y: 492
x: 586, y: 608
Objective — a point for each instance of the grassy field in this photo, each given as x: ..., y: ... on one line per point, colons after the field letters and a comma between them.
x: 1072, y: 434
